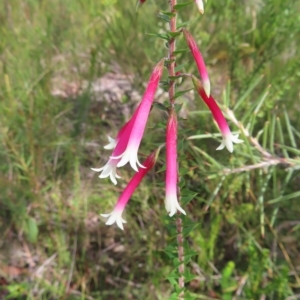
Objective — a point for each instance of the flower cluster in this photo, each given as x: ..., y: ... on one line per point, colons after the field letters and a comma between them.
x: 126, y: 144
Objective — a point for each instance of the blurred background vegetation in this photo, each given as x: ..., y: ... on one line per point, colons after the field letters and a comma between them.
x: 71, y: 72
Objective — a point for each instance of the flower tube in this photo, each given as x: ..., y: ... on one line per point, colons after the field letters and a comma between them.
x: 171, y: 201
x: 113, y: 142
x: 116, y: 215
x: 119, y: 144
x: 133, y: 133
x: 227, y: 137
x: 199, y: 61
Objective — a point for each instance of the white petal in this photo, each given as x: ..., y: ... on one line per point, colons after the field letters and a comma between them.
x: 97, y: 169
x: 235, y: 139
x: 112, y: 143
x: 221, y: 147
x: 228, y: 140
x: 172, y: 205
x: 130, y: 155
x: 115, y: 217
x: 109, y: 170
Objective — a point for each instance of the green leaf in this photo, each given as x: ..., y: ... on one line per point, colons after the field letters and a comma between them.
x: 281, y: 137
x: 248, y: 91
x: 187, y: 229
x: 167, y: 13
x: 289, y: 128
x: 31, y: 230
x: 272, y: 132
x: 286, y: 197
x: 160, y: 106
x: 174, y: 34
x: 180, y: 51
x: 162, y: 169
x: 178, y: 107
x: 164, y: 17
x: 180, y: 93
x: 291, y: 149
x: 265, y: 134
x: 180, y: 67
x: 163, y: 36
x: 183, y: 24
x: 256, y: 107
x: 226, y: 94
x: 175, y: 77
x: 208, y: 157
x: 226, y: 281
x: 187, y: 198
x: 182, y: 5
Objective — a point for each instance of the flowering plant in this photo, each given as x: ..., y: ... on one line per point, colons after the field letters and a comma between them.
x: 126, y: 144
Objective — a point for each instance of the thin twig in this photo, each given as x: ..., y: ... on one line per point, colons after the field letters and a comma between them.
x: 180, y: 254
x: 242, y: 283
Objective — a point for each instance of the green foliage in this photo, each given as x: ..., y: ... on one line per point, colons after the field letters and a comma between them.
x: 242, y: 226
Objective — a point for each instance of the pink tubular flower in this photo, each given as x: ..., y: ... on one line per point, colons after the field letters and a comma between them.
x: 199, y: 60
x: 200, y: 6
x: 116, y: 215
x: 110, y: 169
x: 113, y: 142
x: 171, y: 201
x: 228, y: 137
x: 130, y: 139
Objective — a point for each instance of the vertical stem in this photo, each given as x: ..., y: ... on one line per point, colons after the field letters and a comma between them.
x: 180, y: 254
x: 172, y: 47
x: 171, y: 69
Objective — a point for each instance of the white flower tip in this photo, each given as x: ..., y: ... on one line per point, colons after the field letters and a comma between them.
x: 182, y: 211
x: 140, y: 165
x: 134, y: 166
x: 130, y: 156
x: 112, y: 143
x: 109, y: 170
x: 120, y: 225
x: 105, y: 215
x: 221, y: 147
x: 172, y: 205
x: 228, y: 141
x: 236, y: 140
x: 115, y: 217
x: 174, y: 211
x: 113, y: 180
x: 200, y: 6
x: 97, y: 169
